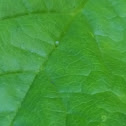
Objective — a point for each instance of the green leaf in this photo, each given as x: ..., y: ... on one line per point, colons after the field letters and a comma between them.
x: 62, y: 63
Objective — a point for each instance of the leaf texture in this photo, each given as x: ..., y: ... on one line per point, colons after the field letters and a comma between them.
x: 62, y: 63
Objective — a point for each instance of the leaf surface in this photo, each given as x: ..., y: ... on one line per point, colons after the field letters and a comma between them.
x: 62, y: 63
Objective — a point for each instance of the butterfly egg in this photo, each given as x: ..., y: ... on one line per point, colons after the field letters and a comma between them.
x: 57, y: 43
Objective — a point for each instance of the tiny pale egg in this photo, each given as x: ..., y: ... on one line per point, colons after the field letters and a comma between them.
x: 57, y: 43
